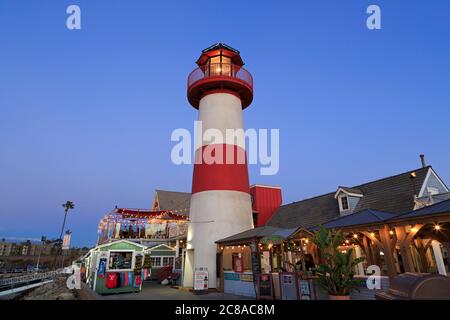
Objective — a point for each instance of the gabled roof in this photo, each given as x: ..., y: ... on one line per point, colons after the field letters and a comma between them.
x: 434, y: 209
x: 351, y: 191
x: 107, y: 244
x: 172, y: 200
x: 259, y: 232
x: 392, y: 194
x: 220, y: 45
x: 306, y: 213
x: 358, y: 218
x: 161, y: 247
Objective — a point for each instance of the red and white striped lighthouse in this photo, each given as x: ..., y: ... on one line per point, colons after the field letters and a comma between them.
x: 220, y: 88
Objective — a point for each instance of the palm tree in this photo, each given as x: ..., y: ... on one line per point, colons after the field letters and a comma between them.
x: 67, y: 206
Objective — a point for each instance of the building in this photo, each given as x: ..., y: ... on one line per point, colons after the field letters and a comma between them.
x: 6, y: 248
x: 396, y: 194
x: 400, y: 223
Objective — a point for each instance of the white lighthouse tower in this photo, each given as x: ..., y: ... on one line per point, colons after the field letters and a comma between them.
x: 220, y: 88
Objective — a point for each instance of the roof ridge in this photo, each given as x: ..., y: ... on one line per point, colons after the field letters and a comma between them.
x: 356, y: 187
x: 172, y: 191
x: 390, y: 177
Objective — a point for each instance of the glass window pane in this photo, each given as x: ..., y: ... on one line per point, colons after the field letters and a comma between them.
x: 120, y: 260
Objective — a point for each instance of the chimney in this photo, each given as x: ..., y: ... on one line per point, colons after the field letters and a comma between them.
x: 422, y: 159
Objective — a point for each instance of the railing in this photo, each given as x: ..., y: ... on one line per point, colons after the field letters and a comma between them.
x: 220, y: 70
x: 28, y: 278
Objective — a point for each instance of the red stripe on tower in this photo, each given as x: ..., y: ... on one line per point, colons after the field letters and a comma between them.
x: 220, y: 167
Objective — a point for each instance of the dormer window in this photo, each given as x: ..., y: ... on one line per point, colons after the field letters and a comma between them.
x: 344, y: 203
x: 348, y: 199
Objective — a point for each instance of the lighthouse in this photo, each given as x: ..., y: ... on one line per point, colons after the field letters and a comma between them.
x: 220, y: 88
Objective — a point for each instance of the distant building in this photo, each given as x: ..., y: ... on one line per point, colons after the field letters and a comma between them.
x: 5, y: 248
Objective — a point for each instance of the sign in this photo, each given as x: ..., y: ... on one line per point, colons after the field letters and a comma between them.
x: 138, y: 264
x: 255, y: 262
x: 201, y: 279
x: 247, y: 277
x: 266, y: 262
x: 147, y: 262
x: 265, y: 287
x: 66, y: 242
x: 238, y: 262
x: 289, y: 286
x: 305, y: 290
x: 231, y: 276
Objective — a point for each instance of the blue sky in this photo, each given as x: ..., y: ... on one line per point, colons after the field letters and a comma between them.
x: 86, y: 115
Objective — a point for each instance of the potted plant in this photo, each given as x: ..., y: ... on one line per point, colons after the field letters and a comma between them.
x: 336, y: 273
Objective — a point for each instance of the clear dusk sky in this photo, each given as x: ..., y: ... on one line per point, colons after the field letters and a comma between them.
x: 86, y: 115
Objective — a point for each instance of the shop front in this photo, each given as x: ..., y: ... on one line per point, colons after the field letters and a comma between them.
x: 116, y: 267
x: 262, y: 263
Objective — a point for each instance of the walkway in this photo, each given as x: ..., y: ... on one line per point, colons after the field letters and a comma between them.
x: 154, y: 291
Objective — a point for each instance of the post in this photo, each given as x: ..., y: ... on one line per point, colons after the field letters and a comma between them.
x: 177, y: 248
x: 408, y: 263
x: 438, y: 257
x: 359, y: 266
x: 387, y: 249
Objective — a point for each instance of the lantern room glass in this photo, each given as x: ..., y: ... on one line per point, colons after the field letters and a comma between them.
x: 219, y: 66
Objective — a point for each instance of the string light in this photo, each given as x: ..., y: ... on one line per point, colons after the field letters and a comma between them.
x: 391, y: 232
x: 355, y: 236
x: 372, y: 234
x: 437, y: 227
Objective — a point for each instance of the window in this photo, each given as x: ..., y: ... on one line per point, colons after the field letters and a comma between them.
x: 344, y: 203
x: 167, y: 261
x: 120, y: 260
x: 432, y: 191
x: 220, y: 65
x: 156, y: 261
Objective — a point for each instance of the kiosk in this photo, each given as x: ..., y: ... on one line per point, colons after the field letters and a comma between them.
x: 116, y: 267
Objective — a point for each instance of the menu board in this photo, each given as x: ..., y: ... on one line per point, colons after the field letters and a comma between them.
x: 305, y: 290
x: 255, y: 262
x: 201, y: 279
x: 289, y: 286
x: 265, y: 286
x: 138, y: 264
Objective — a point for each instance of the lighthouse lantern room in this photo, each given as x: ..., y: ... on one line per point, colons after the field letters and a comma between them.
x: 220, y: 67
x: 220, y: 88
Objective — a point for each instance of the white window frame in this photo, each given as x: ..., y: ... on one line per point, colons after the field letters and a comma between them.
x: 133, y: 257
x: 161, y: 265
x: 341, y: 208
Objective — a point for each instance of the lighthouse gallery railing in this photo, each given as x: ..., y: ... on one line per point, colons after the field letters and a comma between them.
x: 220, y: 70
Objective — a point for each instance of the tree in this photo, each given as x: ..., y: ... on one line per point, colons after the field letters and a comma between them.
x: 67, y: 206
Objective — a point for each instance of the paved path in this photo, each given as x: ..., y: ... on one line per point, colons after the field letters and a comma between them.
x: 154, y: 291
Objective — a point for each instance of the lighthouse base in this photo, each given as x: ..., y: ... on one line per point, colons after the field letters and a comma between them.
x: 214, y: 215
